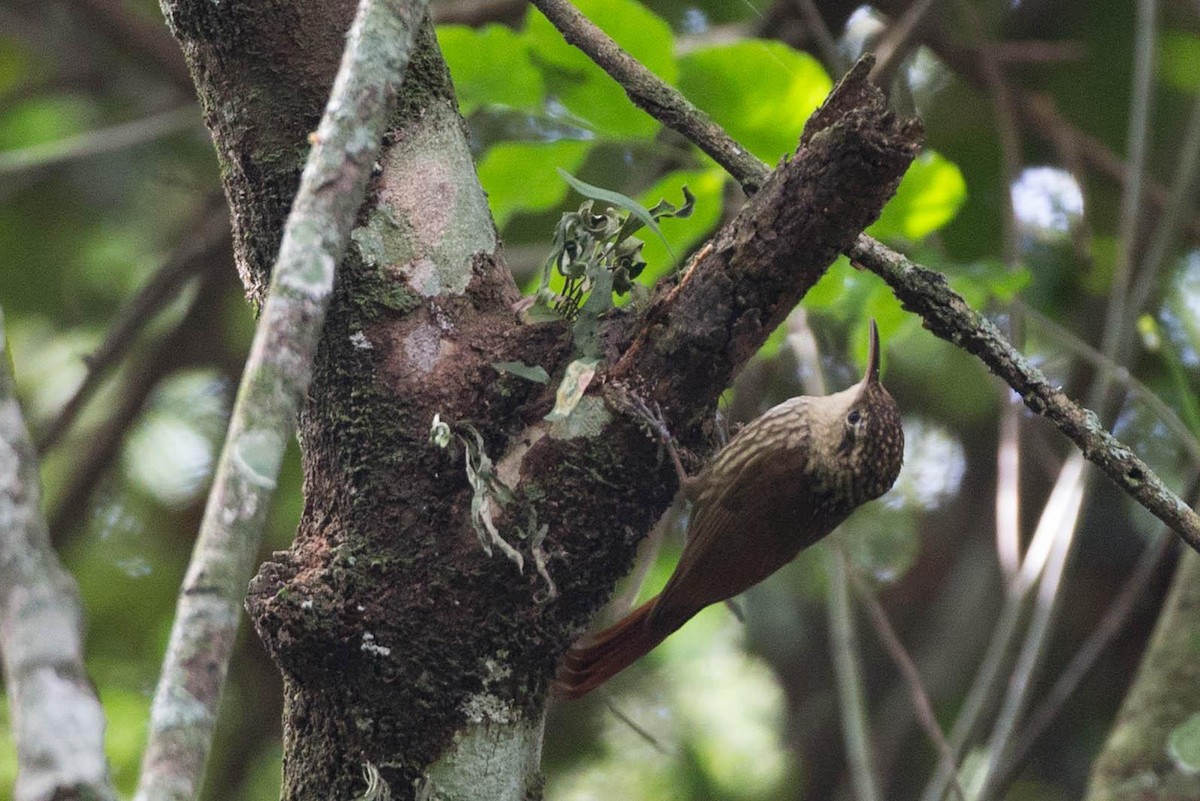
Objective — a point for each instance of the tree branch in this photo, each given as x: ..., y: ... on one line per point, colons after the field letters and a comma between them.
x: 922, y: 291
x: 276, y: 379
x: 197, y: 249
x: 57, y: 721
x: 652, y: 95
x: 743, y: 284
x: 948, y: 316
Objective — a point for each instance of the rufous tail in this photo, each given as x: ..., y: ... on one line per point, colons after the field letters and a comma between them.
x: 596, y: 660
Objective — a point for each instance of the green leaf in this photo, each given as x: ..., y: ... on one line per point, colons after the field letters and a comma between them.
x: 1178, y: 55
x: 582, y: 87
x: 682, y: 234
x: 535, y: 373
x: 761, y: 92
x: 840, y: 292
x: 506, y: 77
x: 613, y: 198
x: 930, y: 195
x: 519, y: 176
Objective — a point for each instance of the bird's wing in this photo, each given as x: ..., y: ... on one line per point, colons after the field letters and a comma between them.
x: 740, y: 533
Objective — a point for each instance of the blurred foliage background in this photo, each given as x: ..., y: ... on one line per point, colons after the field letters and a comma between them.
x: 111, y: 213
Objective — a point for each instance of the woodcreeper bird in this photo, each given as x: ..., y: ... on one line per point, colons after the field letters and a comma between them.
x: 786, y: 480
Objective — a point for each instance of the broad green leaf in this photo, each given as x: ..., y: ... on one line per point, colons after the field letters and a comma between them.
x: 840, y: 292
x: 1178, y: 55
x: 490, y: 66
x: 930, y: 195
x: 682, y: 233
x: 520, y: 176
x: 760, y: 92
x: 582, y: 87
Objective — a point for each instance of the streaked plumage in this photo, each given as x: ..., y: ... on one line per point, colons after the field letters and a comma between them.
x: 786, y: 480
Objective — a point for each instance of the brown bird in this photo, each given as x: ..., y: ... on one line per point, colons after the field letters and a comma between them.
x: 786, y: 480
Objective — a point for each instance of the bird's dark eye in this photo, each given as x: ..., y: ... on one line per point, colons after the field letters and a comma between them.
x: 853, y: 417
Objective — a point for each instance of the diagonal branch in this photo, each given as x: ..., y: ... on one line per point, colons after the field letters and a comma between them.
x: 948, y: 316
x: 742, y: 285
x: 193, y: 254
x: 277, y: 376
x: 57, y: 721
x: 922, y: 290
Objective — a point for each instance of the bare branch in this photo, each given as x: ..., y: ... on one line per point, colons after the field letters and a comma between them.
x: 195, y: 252
x: 57, y: 721
x: 921, y: 290
x: 649, y: 93
x: 901, y: 38
x: 96, y: 143
x: 948, y: 316
x: 912, y: 677
x: 277, y: 375
x: 847, y: 668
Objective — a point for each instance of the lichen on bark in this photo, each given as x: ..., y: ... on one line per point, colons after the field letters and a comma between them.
x: 401, y: 641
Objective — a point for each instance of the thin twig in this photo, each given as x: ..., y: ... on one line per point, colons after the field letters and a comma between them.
x: 1008, y: 453
x: 652, y: 95
x: 1187, y: 171
x: 140, y: 34
x: 275, y: 381
x: 56, y: 718
x: 984, y: 689
x: 1033, y: 51
x: 1008, y: 491
x: 948, y: 316
x: 899, y: 40
x: 90, y: 465
x: 634, y: 726
x: 1060, y: 516
x: 200, y: 245
x: 821, y: 35
x: 1120, y: 374
x: 1117, y: 315
x: 623, y: 603
x: 847, y: 664
x: 912, y: 677
x: 96, y: 143
x: 1116, y: 617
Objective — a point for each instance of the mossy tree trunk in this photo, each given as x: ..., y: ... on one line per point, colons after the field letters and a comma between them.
x: 403, y: 645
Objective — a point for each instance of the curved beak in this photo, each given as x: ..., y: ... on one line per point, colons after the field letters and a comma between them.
x: 872, y: 374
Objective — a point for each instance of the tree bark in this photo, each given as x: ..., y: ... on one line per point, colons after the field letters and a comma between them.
x: 403, y: 645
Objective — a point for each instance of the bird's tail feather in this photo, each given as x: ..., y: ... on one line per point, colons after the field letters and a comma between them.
x: 589, y: 664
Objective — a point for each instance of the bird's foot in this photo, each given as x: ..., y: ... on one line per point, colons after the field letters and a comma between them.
x: 651, y: 416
